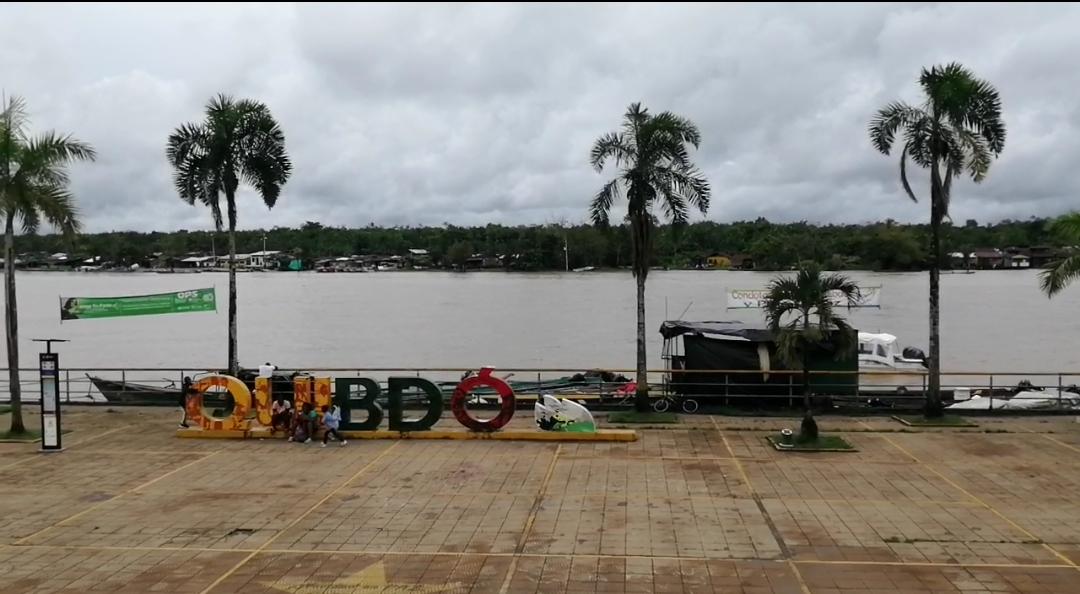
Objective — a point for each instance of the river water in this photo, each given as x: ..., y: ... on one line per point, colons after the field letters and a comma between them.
x: 991, y: 321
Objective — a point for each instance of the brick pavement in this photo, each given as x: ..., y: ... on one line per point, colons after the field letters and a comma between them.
x: 703, y: 507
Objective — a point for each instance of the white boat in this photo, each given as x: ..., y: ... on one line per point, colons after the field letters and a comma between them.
x: 881, y: 352
x: 585, y: 269
x: 883, y: 366
x: 1031, y: 399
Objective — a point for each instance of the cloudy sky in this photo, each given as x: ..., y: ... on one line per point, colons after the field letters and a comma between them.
x: 470, y: 114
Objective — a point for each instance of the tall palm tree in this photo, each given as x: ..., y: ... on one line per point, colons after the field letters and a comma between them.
x: 238, y: 141
x: 33, y: 187
x: 800, y: 312
x: 1063, y: 272
x: 957, y: 129
x: 654, y: 167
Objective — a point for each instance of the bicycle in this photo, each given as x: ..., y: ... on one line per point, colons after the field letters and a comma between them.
x: 665, y: 403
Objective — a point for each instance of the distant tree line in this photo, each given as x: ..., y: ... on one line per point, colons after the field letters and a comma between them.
x: 771, y: 246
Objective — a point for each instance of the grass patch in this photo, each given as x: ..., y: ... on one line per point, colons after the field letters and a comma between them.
x: 945, y: 421
x: 4, y: 409
x: 647, y: 417
x: 824, y: 443
x: 29, y: 436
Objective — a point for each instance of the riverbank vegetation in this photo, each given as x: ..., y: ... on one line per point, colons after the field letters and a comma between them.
x: 768, y: 246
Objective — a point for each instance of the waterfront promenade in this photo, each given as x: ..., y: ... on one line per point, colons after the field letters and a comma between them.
x: 707, y: 506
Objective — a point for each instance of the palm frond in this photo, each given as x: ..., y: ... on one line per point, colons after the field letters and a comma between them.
x: 636, y: 116
x: 608, y: 146
x: 57, y: 205
x: 903, y: 173
x: 919, y: 139
x: 677, y: 127
x: 845, y: 286
x: 601, y: 204
x: 29, y: 219
x: 1059, y: 275
x: 985, y: 116
x: 1067, y: 227
x: 888, y: 121
x: 687, y: 186
x: 13, y: 120
x: 674, y: 205
x: 54, y: 149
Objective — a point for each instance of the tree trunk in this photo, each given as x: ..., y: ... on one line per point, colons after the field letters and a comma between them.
x: 11, y: 323
x: 234, y: 359
x: 641, y: 398
x: 809, y: 429
x: 933, y: 388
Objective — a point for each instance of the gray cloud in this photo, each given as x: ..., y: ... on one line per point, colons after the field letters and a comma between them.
x: 469, y: 114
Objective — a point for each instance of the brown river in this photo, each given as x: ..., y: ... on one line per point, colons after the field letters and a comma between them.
x: 991, y: 321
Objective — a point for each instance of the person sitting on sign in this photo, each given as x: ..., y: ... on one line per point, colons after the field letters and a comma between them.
x: 280, y: 414
x: 266, y: 370
x: 301, y: 429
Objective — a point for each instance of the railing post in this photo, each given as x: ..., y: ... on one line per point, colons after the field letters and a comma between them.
x: 991, y: 394
x: 123, y: 378
x: 67, y: 387
x: 1059, y: 391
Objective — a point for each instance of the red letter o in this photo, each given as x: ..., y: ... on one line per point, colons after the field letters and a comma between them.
x: 467, y: 385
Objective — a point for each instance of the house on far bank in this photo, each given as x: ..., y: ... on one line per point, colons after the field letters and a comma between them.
x: 958, y: 260
x: 419, y: 258
x: 1043, y: 255
x: 742, y: 262
x: 264, y: 260
x: 717, y: 262
x: 242, y: 261
x: 196, y: 262
x: 1015, y: 257
x: 986, y: 258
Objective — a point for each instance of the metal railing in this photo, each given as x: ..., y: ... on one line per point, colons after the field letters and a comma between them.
x: 712, y: 388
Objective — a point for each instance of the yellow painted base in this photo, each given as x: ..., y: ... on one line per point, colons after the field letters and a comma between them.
x: 212, y: 433
x: 507, y: 435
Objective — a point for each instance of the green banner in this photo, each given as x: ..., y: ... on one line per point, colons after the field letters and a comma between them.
x: 83, y: 308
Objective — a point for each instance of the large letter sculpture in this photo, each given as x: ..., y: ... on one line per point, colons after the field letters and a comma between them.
x: 343, y: 389
x: 396, y: 385
x: 461, y: 396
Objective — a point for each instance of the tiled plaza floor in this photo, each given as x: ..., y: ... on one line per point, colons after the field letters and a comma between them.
x: 705, y: 506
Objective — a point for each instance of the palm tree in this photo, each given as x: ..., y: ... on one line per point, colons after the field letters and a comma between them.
x: 654, y: 167
x: 239, y: 141
x: 799, y: 311
x: 958, y: 128
x: 33, y: 186
x: 1063, y: 272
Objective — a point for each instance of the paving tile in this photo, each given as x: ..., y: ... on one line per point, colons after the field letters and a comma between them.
x: 892, y: 579
x: 624, y: 524
x: 814, y: 478
x: 118, y: 510
x: 887, y: 531
x: 38, y: 569
x: 357, y: 520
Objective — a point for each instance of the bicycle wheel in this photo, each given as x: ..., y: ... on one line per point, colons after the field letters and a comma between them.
x: 689, y: 405
x: 661, y: 405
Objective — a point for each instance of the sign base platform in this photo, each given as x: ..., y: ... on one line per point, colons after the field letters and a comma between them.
x: 504, y: 435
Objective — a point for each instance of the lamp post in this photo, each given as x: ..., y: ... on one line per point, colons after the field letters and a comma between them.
x: 49, y: 370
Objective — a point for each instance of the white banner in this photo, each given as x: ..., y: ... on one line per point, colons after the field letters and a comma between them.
x: 754, y: 298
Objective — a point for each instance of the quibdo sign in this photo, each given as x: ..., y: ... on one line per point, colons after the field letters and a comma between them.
x: 358, y: 399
